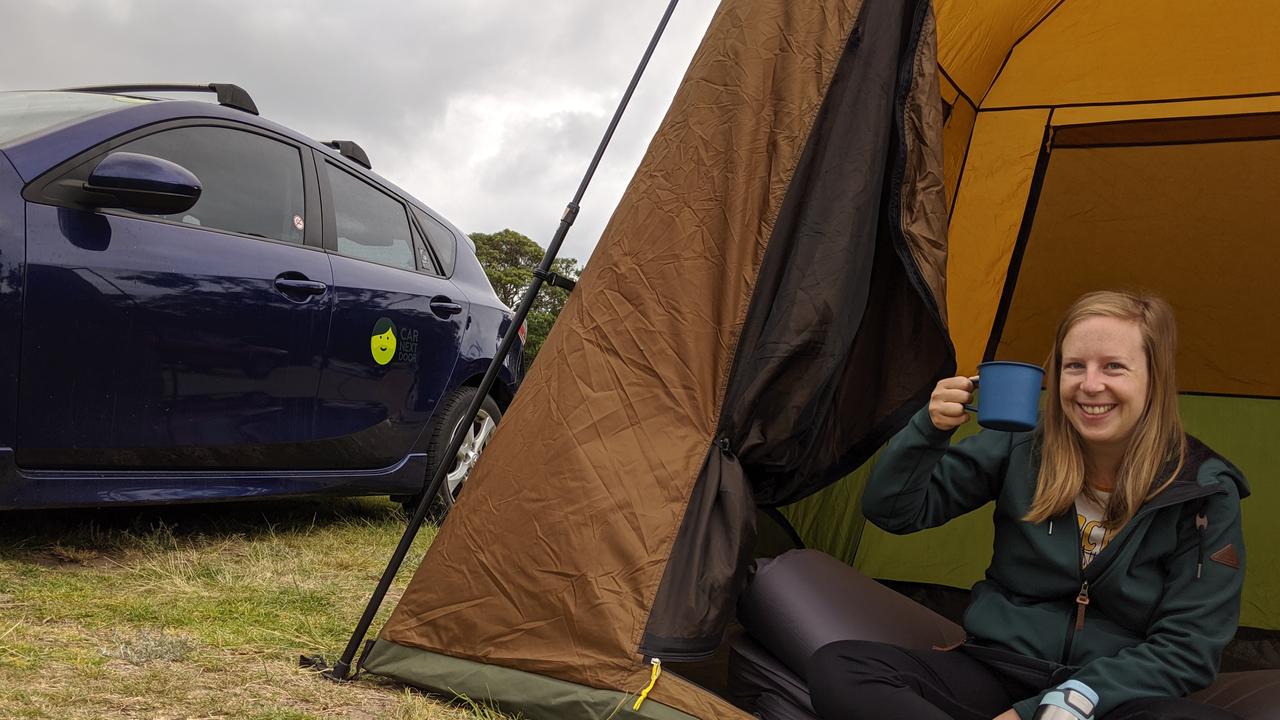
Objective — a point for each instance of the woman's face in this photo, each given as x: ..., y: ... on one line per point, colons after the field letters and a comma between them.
x: 1103, y: 383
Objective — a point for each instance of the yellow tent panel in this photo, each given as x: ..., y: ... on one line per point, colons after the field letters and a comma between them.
x: 994, y: 187
x: 1102, y: 51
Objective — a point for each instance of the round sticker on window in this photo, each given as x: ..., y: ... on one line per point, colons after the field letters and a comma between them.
x: 297, y: 221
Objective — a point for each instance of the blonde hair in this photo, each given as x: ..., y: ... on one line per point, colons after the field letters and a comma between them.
x: 1157, y: 438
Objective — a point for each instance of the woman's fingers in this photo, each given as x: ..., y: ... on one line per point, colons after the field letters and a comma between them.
x: 958, y: 382
x: 946, y: 403
x: 953, y: 395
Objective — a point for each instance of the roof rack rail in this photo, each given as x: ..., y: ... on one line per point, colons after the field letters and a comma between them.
x: 232, y: 96
x: 350, y: 150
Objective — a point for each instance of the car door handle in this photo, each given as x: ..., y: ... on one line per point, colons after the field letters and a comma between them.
x: 294, y: 287
x: 444, y: 306
x: 308, y: 287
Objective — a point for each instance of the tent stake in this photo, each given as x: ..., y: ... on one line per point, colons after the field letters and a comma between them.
x: 342, y: 669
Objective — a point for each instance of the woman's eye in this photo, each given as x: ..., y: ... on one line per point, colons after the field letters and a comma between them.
x: 1115, y: 366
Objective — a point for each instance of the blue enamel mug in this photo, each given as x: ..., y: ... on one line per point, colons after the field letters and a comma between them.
x: 1010, y: 395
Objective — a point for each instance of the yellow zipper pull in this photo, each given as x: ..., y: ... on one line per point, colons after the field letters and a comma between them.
x: 653, y: 680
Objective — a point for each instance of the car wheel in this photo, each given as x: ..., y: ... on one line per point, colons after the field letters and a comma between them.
x: 478, y: 434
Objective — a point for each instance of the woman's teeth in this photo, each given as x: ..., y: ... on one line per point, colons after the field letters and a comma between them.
x: 1096, y: 409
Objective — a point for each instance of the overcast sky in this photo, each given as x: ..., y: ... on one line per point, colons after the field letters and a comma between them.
x: 486, y: 110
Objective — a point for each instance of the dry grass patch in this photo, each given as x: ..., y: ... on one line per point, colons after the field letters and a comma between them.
x: 197, y: 612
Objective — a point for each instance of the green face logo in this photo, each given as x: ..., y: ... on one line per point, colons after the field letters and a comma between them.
x: 383, y: 342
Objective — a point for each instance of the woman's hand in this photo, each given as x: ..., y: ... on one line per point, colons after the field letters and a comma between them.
x: 946, y: 404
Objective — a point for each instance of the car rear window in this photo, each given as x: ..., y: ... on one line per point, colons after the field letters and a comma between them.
x: 27, y: 113
x: 371, y: 225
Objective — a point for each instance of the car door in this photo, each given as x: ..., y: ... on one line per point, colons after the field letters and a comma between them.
x: 177, y: 342
x: 396, y: 326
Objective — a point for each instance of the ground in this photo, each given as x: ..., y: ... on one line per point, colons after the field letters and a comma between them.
x: 198, y: 611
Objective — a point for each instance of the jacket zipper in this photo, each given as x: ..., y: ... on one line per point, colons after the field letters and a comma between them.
x: 1082, y: 602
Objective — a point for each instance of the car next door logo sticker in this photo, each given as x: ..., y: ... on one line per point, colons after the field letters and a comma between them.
x: 383, y: 342
x: 386, y: 339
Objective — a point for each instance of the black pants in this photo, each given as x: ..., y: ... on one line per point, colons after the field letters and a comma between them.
x: 854, y: 679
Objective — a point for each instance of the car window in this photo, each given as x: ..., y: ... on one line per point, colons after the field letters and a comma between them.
x: 370, y: 224
x: 250, y: 184
x: 441, y: 239
x: 426, y: 260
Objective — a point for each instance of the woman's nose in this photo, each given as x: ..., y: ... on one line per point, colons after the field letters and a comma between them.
x: 1093, y: 382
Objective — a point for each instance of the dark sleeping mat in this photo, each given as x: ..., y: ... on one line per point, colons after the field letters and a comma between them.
x: 804, y: 599
x: 800, y: 601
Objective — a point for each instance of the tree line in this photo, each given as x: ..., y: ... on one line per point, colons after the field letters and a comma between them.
x: 509, y: 259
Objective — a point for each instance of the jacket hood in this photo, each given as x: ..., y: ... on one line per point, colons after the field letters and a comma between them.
x: 1202, y: 471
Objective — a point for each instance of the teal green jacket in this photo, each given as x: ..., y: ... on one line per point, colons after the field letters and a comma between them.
x: 1158, y: 604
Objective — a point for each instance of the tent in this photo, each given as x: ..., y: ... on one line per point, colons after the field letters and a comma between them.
x: 1094, y: 144
x: 763, y: 310
x: 828, y: 200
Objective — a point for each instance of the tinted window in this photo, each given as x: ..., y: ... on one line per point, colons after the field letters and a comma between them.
x: 441, y: 238
x: 371, y: 225
x: 249, y: 184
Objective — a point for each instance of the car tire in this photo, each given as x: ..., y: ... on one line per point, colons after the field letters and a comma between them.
x: 450, y: 415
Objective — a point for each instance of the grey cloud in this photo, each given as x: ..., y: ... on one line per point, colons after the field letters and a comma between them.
x: 543, y: 150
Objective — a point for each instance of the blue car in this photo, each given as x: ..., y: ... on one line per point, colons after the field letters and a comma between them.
x: 199, y: 304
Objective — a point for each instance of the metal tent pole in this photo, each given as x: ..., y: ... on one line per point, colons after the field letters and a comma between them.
x: 341, y: 670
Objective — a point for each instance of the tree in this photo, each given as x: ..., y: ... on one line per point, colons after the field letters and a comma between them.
x: 509, y: 259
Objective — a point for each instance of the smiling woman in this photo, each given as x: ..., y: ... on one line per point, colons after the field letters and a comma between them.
x: 1112, y: 417
x: 1128, y: 607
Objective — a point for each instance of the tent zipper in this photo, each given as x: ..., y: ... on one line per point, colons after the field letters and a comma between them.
x: 656, y: 664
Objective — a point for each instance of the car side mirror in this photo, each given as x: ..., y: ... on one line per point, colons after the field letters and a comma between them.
x: 143, y: 184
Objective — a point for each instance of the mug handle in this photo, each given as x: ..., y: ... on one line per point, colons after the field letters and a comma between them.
x: 972, y: 408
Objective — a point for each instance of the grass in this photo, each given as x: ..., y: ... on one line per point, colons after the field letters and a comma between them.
x: 198, y: 611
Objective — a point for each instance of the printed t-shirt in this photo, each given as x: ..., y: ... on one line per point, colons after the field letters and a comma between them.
x: 1093, y: 536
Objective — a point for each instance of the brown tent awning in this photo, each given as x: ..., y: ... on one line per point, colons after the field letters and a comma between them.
x: 763, y: 310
